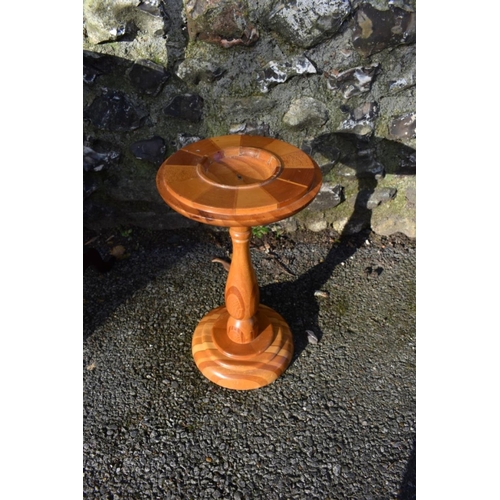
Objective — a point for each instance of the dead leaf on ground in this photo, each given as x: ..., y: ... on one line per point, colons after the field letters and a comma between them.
x: 118, y: 251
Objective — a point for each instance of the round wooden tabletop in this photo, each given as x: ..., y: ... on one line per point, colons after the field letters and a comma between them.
x: 238, y: 180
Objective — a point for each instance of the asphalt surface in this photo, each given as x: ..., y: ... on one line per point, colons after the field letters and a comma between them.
x: 338, y: 424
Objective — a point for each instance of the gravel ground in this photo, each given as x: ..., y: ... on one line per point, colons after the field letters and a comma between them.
x: 339, y: 423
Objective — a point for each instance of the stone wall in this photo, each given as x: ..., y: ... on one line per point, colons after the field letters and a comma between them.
x: 333, y: 77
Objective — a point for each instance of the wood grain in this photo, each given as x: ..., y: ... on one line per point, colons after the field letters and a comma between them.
x: 238, y: 180
x: 242, y: 290
x: 220, y: 360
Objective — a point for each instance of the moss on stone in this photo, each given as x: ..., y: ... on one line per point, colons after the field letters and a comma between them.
x: 399, y: 214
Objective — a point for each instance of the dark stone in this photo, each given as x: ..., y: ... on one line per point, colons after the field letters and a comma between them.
x: 360, y: 165
x: 404, y: 126
x: 148, y: 77
x: 367, y: 111
x: 90, y: 74
x: 398, y: 158
x: 326, y: 146
x: 89, y: 186
x: 329, y: 196
x: 376, y: 30
x: 98, y: 156
x: 353, y: 81
x: 370, y: 199
x: 115, y: 111
x: 187, y: 107
x: 152, y: 150
x: 94, y: 161
x: 95, y: 64
x: 408, y: 161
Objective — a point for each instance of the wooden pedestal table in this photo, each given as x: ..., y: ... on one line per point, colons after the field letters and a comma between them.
x: 240, y: 181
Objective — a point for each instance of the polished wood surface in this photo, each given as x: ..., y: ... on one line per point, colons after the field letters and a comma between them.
x: 242, y: 290
x: 240, y: 181
x: 242, y: 366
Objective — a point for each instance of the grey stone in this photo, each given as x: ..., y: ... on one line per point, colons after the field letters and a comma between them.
x: 278, y: 72
x: 242, y: 108
x: 115, y: 111
x: 185, y: 139
x: 194, y: 71
x: 108, y: 21
x: 222, y: 22
x: 411, y: 195
x: 408, y: 5
x: 306, y: 23
x: 317, y: 225
x: 250, y: 128
x: 187, y: 107
x: 289, y: 225
x: 124, y: 28
x: 393, y: 223
x: 306, y: 112
x: 398, y: 76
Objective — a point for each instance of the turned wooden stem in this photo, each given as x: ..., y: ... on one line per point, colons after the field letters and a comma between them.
x: 242, y: 289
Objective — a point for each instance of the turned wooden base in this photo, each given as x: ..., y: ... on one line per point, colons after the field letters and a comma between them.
x: 242, y: 366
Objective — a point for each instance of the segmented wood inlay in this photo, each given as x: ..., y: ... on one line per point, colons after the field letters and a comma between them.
x: 240, y: 181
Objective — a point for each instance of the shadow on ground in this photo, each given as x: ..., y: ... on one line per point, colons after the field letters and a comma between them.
x: 148, y: 253
x: 408, y: 490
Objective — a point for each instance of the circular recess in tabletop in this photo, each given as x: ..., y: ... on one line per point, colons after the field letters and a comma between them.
x: 239, y: 167
x: 238, y: 180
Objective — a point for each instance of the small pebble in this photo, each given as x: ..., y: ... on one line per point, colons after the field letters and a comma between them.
x: 311, y: 337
